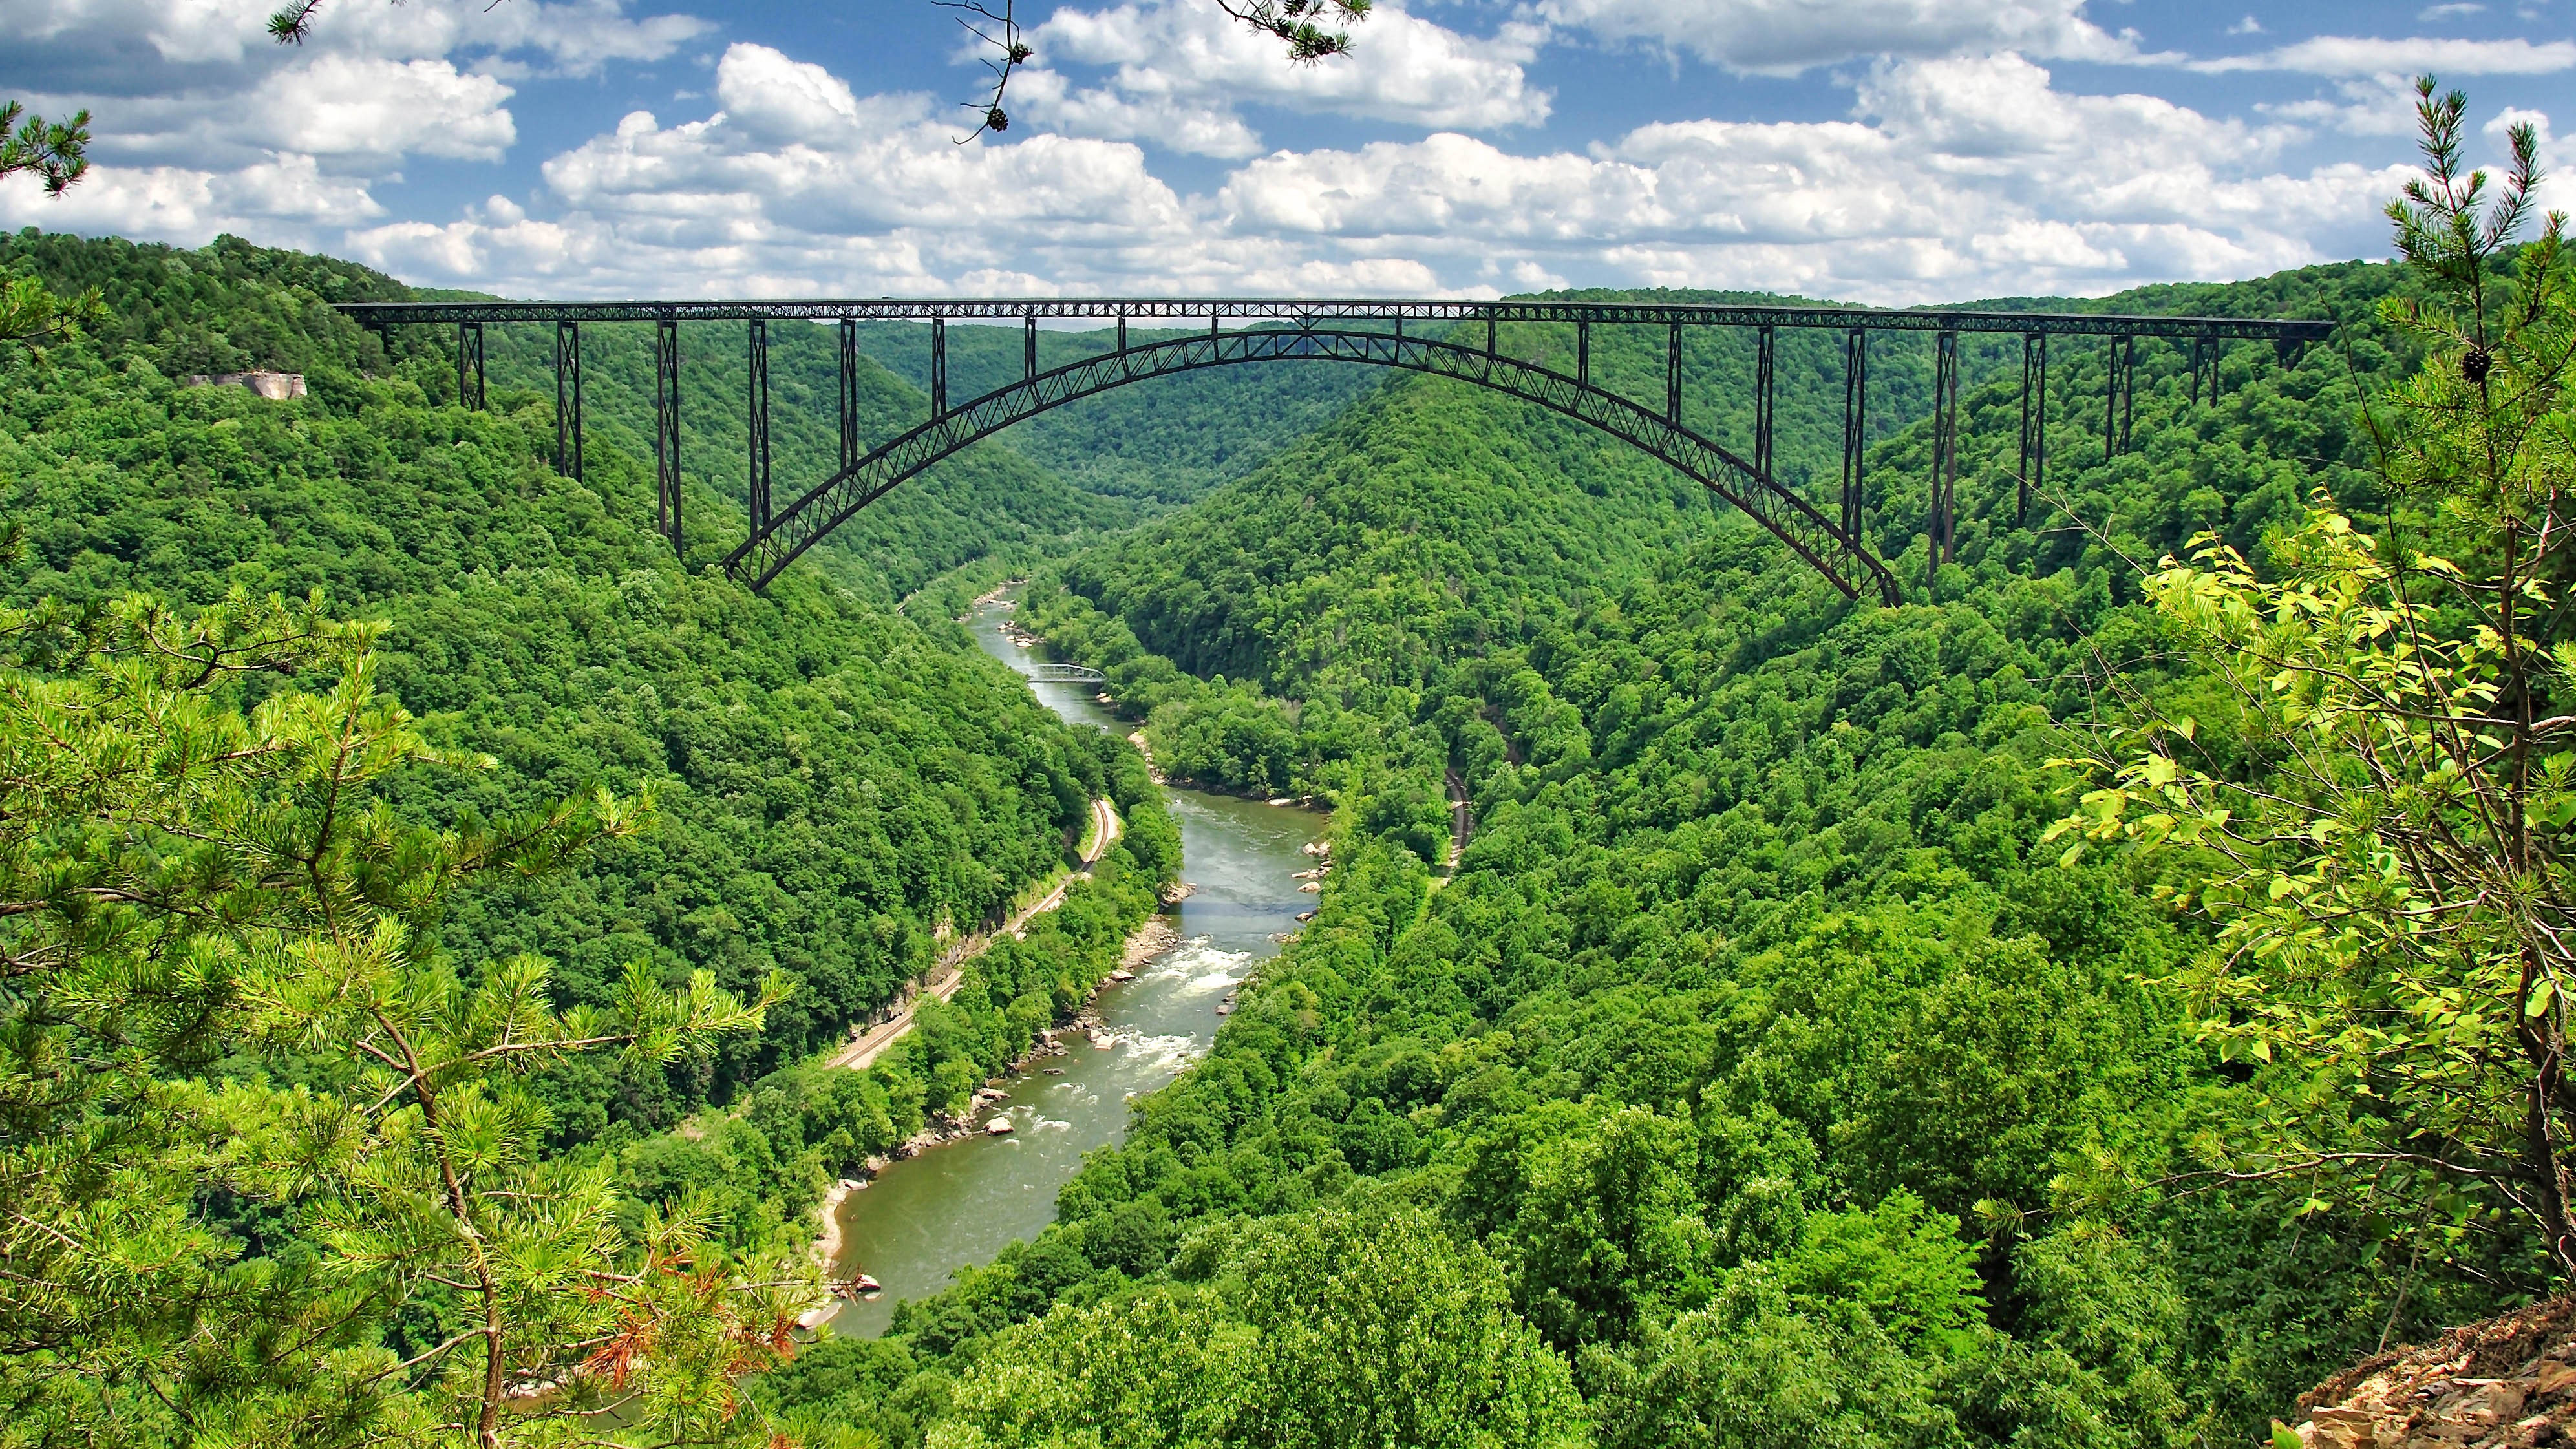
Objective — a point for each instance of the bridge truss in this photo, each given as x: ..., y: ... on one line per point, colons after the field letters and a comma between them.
x: 1360, y: 330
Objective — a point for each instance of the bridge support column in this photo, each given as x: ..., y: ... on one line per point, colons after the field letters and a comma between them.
x: 1941, y: 527
x: 2119, y: 399
x: 938, y: 367
x: 1028, y: 347
x: 849, y: 394
x: 755, y: 423
x: 1763, y: 396
x: 1583, y: 353
x: 469, y: 365
x: 666, y: 427
x: 1855, y: 414
x: 2204, y: 354
x: 1489, y: 334
x: 1673, y: 373
x: 568, y: 399
x: 2034, y: 419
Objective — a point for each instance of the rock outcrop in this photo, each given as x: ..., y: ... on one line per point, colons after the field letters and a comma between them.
x: 2506, y: 1383
x: 275, y: 386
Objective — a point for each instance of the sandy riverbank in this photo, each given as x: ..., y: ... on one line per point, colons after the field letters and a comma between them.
x: 827, y: 1244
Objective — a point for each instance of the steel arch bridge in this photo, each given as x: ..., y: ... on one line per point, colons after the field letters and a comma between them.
x: 801, y: 524
x: 1835, y: 547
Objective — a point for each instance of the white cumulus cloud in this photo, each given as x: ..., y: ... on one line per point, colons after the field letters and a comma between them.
x: 1952, y: 178
x: 1961, y: 171
x: 797, y: 183
x: 203, y: 124
x: 1789, y: 36
x: 1957, y: 178
x: 346, y: 106
x: 2342, y: 55
x: 158, y: 47
x: 1177, y: 72
x: 286, y: 196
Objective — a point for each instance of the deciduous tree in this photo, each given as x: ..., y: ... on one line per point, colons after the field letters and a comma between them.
x: 2387, y: 863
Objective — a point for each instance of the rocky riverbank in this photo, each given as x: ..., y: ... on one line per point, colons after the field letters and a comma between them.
x: 1153, y: 938
x: 1149, y: 940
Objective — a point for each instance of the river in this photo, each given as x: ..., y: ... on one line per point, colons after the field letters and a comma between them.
x: 925, y: 1217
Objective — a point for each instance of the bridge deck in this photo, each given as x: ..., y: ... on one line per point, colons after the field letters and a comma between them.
x: 1305, y: 311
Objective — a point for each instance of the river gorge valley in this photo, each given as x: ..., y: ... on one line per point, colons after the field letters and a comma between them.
x: 959, y: 1202
x: 1977, y: 1001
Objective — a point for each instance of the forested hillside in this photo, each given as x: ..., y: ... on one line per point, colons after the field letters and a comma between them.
x: 1759, y: 1077
x: 590, y: 849
x: 836, y: 789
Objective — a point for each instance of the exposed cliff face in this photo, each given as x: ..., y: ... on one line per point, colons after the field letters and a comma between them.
x: 275, y: 386
x: 2505, y: 1383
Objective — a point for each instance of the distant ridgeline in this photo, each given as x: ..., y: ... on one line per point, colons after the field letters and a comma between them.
x: 1758, y: 1060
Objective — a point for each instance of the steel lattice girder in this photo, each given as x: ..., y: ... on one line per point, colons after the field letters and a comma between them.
x: 1841, y: 558
x: 1307, y: 312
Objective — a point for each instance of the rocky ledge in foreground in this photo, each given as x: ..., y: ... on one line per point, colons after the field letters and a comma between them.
x: 2505, y: 1383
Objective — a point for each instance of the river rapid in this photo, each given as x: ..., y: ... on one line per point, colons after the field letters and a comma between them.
x: 925, y: 1217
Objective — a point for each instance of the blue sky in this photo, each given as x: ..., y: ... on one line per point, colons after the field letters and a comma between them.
x: 1867, y: 150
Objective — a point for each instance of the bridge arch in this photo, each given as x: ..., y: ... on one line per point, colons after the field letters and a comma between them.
x: 1844, y: 560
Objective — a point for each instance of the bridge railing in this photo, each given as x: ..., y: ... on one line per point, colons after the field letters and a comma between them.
x: 1302, y: 311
